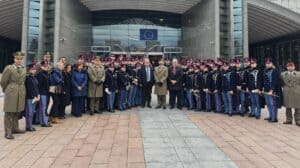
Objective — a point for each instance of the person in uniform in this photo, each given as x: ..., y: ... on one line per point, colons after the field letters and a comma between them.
x: 32, y: 95
x: 216, y: 88
x: 12, y: 83
x: 189, y: 86
x: 96, y: 75
x: 161, y: 76
x: 43, y: 79
x: 254, y: 88
x: 272, y: 90
x: 175, y: 76
x: 241, y: 87
x: 291, y: 93
x: 198, y: 86
x: 228, y: 86
x: 111, y: 87
x: 131, y: 71
x: 123, y: 87
x: 207, y: 87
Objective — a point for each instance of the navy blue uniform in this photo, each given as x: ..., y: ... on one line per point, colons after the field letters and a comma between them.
x: 216, y: 89
x: 255, y: 85
x: 111, y: 85
x: 228, y: 86
x: 123, y: 84
x: 207, y: 88
x: 241, y: 78
x: 272, y: 83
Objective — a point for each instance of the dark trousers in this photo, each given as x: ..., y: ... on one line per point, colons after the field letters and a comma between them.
x: 78, y: 106
x: 57, y: 109
x: 173, y: 95
x: 146, y: 95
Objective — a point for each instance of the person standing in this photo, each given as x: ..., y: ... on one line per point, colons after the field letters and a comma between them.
x: 96, y: 74
x: 32, y: 96
x: 56, y: 92
x: 189, y: 85
x: 67, y: 74
x: 228, y: 86
x: 291, y: 93
x: 161, y: 76
x: 272, y: 90
x: 175, y: 84
x: 216, y: 88
x: 146, y: 76
x: 241, y: 88
x: 12, y: 83
x: 111, y: 87
x: 254, y: 87
x: 207, y: 84
x: 79, y: 90
x: 43, y: 79
x: 123, y: 87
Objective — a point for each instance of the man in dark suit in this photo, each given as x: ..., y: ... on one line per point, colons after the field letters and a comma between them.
x: 175, y: 84
x: 146, y: 76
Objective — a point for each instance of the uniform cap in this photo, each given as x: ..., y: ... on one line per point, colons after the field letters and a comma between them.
x: 19, y: 55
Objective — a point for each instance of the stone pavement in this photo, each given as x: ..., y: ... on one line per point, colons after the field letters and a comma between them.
x: 153, y: 138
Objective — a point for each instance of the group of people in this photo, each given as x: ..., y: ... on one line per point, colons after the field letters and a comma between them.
x: 121, y: 83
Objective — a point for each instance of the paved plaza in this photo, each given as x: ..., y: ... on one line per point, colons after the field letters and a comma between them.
x: 152, y: 138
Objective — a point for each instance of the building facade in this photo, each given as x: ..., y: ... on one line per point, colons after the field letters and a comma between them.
x: 194, y: 28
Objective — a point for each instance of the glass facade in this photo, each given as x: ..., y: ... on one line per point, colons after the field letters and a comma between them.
x: 280, y: 50
x: 224, y: 28
x: 33, y: 29
x: 238, y: 27
x: 121, y: 30
x: 49, y: 25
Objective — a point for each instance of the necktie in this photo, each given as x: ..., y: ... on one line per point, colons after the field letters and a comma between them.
x: 148, y: 74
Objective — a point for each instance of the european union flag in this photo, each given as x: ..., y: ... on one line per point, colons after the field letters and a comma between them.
x: 148, y: 34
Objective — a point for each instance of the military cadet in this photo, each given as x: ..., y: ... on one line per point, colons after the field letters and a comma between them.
x: 111, y: 87
x: 132, y: 72
x: 216, y: 88
x: 43, y: 79
x: 96, y: 74
x: 123, y: 87
x: 46, y: 58
x: 207, y: 87
x: 189, y: 86
x: 291, y: 93
x: 175, y: 84
x: 272, y: 90
x: 228, y: 86
x: 32, y: 95
x: 241, y: 80
x: 12, y: 83
x: 198, y: 87
x: 138, y: 97
x: 254, y: 88
x: 161, y: 76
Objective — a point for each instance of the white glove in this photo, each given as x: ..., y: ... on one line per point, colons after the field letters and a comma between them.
x: 107, y: 91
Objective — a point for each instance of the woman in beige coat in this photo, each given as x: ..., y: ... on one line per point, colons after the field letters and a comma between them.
x: 161, y: 75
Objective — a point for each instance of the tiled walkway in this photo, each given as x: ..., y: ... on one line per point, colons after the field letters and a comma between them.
x: 151, y: 138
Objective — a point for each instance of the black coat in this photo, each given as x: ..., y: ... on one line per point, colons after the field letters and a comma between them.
x: 142, y: 76
x: 67, y: 87
x: 31, y: 84
x: 111, y: 81
x: 43, y: 79
x: 122, y: 80
x: 228, y: 81
x: 178, y: 76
